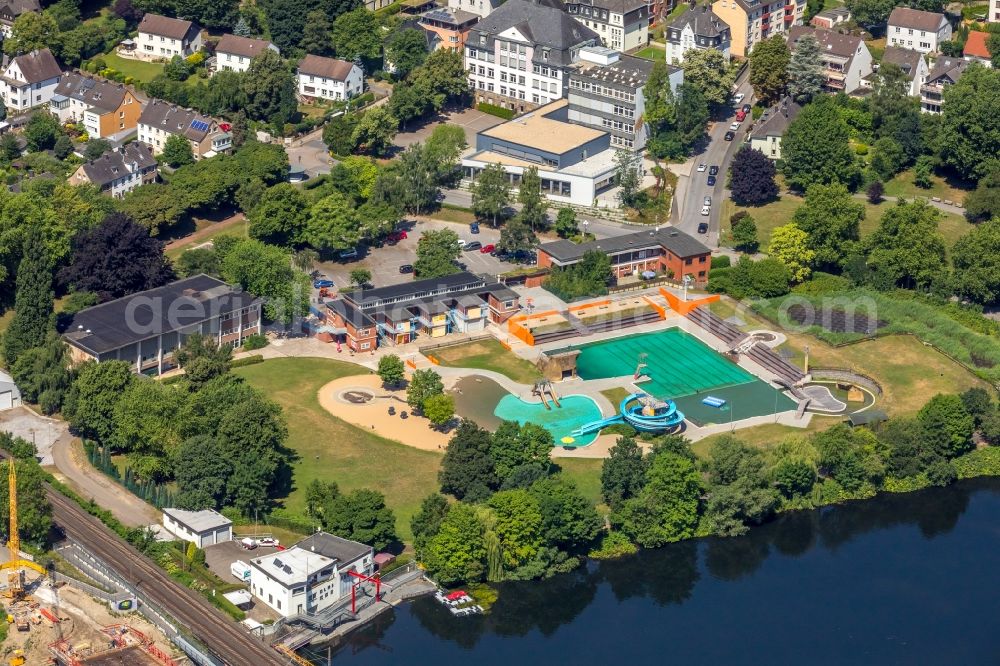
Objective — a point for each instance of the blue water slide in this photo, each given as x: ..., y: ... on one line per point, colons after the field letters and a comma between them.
x: 594, y: 426
x: 665, y: 418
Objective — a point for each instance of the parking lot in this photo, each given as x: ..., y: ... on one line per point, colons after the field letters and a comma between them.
x: 470, y: 120
x: 384, y: 262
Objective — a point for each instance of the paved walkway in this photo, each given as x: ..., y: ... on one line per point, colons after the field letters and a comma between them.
x: 940, y: 205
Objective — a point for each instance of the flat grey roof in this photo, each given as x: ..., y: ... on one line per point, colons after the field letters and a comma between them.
x: 670, y: 238
x: 366, y: 298
x: 207, y: 520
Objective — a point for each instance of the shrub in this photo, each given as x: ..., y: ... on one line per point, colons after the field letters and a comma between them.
x: 247, y: 360
x: 613, y: 546
x: 252, y: 342
x: 721, y: 261
x: 494, y: 110
x: 941, y: 473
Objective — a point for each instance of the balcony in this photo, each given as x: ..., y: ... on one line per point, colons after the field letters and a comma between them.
x: 834, y: 84
x: 789, y: 18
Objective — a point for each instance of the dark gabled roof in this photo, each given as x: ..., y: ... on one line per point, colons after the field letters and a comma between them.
x: 342, y: 551
x: 330, y: 68
x: 672, y: 239
x: 17, y: 7
x: 830, y: 41
x: 916, y: 19
x: 37, y: 66
x: 114, y: 164
x: 100, y: 94
x: 704, y: 22
x: 124, y: 321
x: 350, y: 314
x: 947, y: 68
x: 615, y: 6
x: 242, y: 46
x: 779, y: 117
x: 176, y: 120
x: 450, y: 16
x: 834, y: 13
x: 543, y: 23
x: 907, y: 60
x: 164, y: 26
x: 418, y: 289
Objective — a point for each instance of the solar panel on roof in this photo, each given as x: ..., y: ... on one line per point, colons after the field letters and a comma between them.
x: 199, y: 125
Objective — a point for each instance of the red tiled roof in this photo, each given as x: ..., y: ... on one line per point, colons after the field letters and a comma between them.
x: 975, y: 45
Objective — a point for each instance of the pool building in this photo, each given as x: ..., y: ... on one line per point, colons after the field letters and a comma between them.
x: 364, y: 319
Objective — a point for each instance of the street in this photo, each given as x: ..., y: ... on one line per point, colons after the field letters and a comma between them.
x: 694, y: 188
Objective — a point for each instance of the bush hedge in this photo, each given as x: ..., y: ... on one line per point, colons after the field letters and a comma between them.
x: 494, y: 110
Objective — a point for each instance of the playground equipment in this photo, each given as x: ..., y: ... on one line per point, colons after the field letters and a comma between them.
x: 543, y: 387
x: 641, y: 411
x: 641, y: 365
x: 712, y: 401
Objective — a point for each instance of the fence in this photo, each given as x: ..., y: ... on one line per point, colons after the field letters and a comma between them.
x: 454, y: 343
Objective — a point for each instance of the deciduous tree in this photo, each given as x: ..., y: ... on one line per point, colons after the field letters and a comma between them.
x: 976, y: 257
x: 969, y: 122
x: 437, y: 251
x: 356, y: 34
x: 457, y: 552
x: 831, y: 219
x: 390, y: 370
x: 947, y: 424
x: 426, y: 523
x: 279, y: 216
x: 266, y: 271
x: 744, y: 232
x: 751, y: 177
x: 361, y: 516
x: 514, y: 445
x: 406, y: 49
x: 666, y: 509
x: 423, y: 384
x: 491, y: 193
x: 566, y: 224
x: 467, y: 469
x: 375, y: 131
x: 768, y: 68
x: 269, y: 87
x: 708, y: 70
x: 203, y: 359
x: 906, y: 249
x: 439, y: 409
x: 815, y: 148
x: 90, y: 403
x: 177, y: 151
x: 623, y: 473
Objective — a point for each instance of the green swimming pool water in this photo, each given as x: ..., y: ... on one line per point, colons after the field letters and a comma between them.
x: 575, y: 411
x: 676, y: 362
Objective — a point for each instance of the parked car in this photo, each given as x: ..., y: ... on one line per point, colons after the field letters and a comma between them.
x: 268, y: 541
x: 351, y: 253
x: 738, y: 98
x: 746, y: 108
x: 248, y: 543
x: 713, y: 170
x: 472, y: 245
x: 397, y: 236
x: 702, y: 167
x: 707, y: 201
x: 703, y: 228
x: 488, y: 248
x: 406, y: 268
x: 474, y: 228
x: 711, y: 181
x: 730, y: 136
x: 461, y: 242
x: 741, y: 115
x: 706, y: 210
x: 321, y: 284
x: 735, y: 125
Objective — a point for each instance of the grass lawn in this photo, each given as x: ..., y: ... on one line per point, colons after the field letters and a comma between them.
x: 455, y: 215
x: 137, y: 69
x: 586, y: 474
x: 332, y: 450
x: 616, y: 395
x: 488, y: 355
x: 652, y: 53
x: 780, y: 212
x: 205, y: 232
x: 902, y: 186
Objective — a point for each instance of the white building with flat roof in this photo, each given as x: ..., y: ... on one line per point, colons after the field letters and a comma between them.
x: 202, y: 528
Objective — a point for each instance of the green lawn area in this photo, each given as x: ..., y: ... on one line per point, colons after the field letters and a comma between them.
x: 5, y: 319
x: 652, y: 53
x: 616, y: 395
x: 488, y: 355
x: 902, y: 186
x: 780, y: 212
x: 137, y: 69
x: 454, y: 215
x: 332, y: 450
x: 204, y: 233
x: 585, y: 473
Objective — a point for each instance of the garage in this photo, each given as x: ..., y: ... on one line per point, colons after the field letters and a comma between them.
x: 10, y: 396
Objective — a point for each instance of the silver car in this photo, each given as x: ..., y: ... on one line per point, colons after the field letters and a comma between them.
x: 708, y: 201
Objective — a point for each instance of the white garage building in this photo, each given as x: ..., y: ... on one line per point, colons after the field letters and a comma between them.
x: 202, y: 528
x: 10, y: 396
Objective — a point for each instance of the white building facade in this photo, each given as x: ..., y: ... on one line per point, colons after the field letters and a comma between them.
x: 917, y: 30
x: 329, y: 78
x: 202, y: 528
x: 162, y: 38
x: 234, y: 53
x: 30, y: 80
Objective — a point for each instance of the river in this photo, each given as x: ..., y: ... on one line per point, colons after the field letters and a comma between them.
x: 896, y: 579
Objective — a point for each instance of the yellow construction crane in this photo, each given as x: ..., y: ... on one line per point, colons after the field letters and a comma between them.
x: 15, y: 580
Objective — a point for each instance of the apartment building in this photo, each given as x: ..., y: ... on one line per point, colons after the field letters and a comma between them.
x: 697, y: 28
x: 623, y: 25
x: 946, y: 71
x: 118, y: 172
x: 846, y: 58
x: 917, y: 30
x: 752, y: 21
x: 105, y: 108
x: 449, y: 26
x: 162, y: 37
x: 519, y: 56
x: 606, y: 93
x: 234, y: 53
x: 29, y: 80
x: 160, y: 120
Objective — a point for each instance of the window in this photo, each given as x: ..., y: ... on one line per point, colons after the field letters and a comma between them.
x: 366, y: 345
x: 688, y: 261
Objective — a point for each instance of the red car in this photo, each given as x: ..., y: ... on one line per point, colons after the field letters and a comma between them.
x: 397, y: 236
x: 741, y: 115
x: 486, y: 249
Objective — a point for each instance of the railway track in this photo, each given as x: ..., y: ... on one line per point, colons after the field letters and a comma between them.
x: 226, y: 640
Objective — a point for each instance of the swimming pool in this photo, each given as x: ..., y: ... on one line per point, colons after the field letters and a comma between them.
x: 575, y: 411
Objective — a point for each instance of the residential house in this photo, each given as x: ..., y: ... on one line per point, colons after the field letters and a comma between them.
x: 916, y: 29
x: 993, y: 15
x: 913, y: 63
x: 329, y: 78
x: 846, y: 58
x: 105, y: 108
x: 623, y: 25
x: 314, y: 575
x: 575, y: 162
x: 481, y: 8
x: 203, y: 528
x: 946, y: 72
x: 697, y: 28
x: 829, y: 19
x: 160, y: 120
x: 11, y: 9
x: 768, y: 130
x: 118, y: 172
x: 519, y: 56
x: 29, y: 80
x: 976, y: 49
x: 234, y: 53
x: 606, y: 93
x: 449, y: 26
x: 395, y: 315
x: 145, y: 329
x: 162, y: 37
x: 752, y: 21
x: 665, y: 250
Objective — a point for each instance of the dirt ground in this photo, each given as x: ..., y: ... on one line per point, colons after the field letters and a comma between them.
x: 81, y: 621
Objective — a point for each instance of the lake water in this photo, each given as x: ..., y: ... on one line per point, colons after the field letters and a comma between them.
x: 897, y: 579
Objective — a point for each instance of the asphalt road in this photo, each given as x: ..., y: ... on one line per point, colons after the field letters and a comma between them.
x: 719, y: 153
